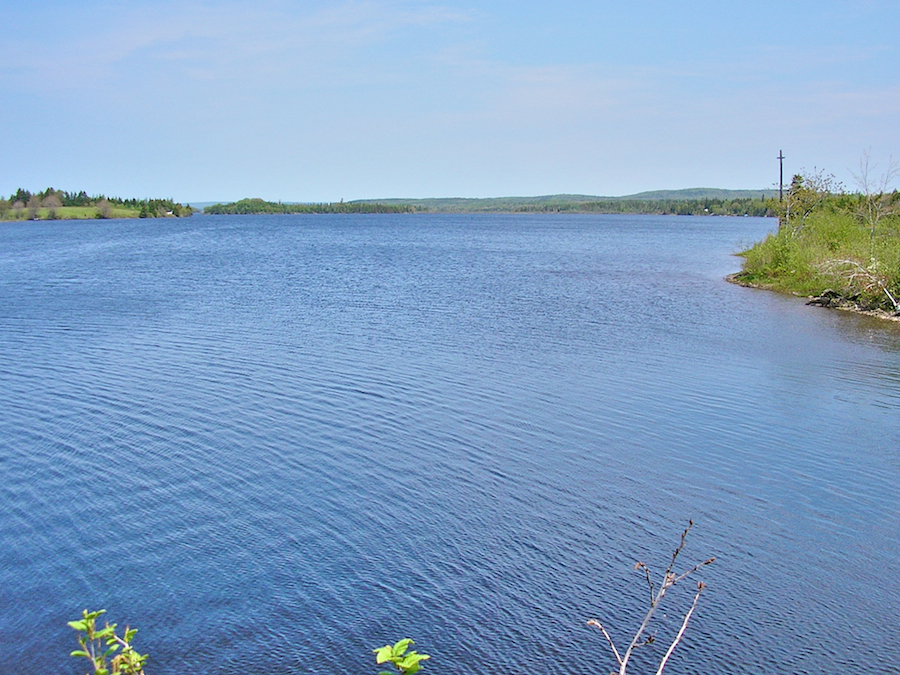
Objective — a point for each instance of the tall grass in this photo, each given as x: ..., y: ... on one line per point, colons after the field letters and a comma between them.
x: 70, y: 213
x: 835, y: 249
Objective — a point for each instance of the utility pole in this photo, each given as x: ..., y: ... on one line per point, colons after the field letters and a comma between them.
x: 780, y: 175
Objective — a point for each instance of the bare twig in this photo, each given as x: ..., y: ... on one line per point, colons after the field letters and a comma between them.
x: 694, y: 569
x: 594, y: 622
x: 646, y: 570
x: 687, y: 617
x: 680, y: 547
x: 858, y: 275
x: 669, y: 579
x: 877, y: 202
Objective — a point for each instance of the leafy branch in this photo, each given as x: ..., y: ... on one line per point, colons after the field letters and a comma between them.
x: 396, y: 654
x: 98, y: 645
x: 806, y: 194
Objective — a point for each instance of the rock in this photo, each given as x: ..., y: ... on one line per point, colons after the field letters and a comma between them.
x: 828, y: 298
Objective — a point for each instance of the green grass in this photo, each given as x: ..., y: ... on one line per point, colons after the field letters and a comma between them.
x: 832, y: 249
x: 73, y: 213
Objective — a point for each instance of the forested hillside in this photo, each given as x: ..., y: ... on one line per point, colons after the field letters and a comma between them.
x: 697, y: 201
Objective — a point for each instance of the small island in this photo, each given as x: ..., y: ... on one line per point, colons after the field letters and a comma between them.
x: 836, y: 248
x: 53, y: 204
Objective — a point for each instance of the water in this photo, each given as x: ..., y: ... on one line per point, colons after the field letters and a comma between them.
x: 279, y: 442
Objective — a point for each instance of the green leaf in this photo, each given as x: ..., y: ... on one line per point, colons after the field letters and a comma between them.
x: 78, y: 625
x: 78, y: 652
x: 386, y: 672
x: 414, y: 668
x: 401, y: 646
x: 410, y: 660
x: 383, y: 654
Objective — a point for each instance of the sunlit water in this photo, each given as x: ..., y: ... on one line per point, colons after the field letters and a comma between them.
x: 275, y: 443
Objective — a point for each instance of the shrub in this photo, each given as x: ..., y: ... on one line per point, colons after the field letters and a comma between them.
x: 99, y: 646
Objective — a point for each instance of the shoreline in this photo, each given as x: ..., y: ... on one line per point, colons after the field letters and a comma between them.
x: 829, y: 299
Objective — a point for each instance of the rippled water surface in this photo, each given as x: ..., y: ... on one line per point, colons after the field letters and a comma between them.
x: 275, y: 443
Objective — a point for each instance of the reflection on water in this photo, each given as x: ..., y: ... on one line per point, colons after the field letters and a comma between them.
x: 265, y: 440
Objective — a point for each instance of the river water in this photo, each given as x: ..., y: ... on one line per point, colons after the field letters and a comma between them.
x: 275, y: 443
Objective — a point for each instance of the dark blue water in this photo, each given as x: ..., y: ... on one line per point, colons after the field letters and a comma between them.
x: 276, y: 443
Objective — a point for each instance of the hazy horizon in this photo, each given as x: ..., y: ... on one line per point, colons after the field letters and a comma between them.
x: 450, y: 197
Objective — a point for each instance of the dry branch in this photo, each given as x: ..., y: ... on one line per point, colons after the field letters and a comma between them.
x: 857, y: 275
x: 669, y: 579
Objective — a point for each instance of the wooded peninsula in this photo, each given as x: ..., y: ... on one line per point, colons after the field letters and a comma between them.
x: 53, y: 204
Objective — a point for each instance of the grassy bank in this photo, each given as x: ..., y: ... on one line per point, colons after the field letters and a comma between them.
x: 71, y: 213
x: 842, y: 250
x: 53, y: 204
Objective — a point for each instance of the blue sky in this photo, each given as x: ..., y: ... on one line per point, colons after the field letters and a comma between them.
x: 319, y: 101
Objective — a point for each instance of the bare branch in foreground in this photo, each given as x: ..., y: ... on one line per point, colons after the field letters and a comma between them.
x: 594, y: 622
x: 670, y: 578
x: 687, y: 617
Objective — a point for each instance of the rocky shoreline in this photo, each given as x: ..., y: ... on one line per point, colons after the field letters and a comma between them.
x: 829, y: 299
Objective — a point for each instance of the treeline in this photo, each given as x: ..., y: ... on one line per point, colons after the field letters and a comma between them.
x: 841, y: 249
x: 761, y: 205
x: 748, y: 206
x: 51, y: 204
x: 679, y: 207
x: 259, y: 206
x: 691, y: 201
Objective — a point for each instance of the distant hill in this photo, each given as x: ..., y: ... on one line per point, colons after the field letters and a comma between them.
x: 495, y: 203
x: 692, y: 201
x: 698, y: 201
x: 702, y: 193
